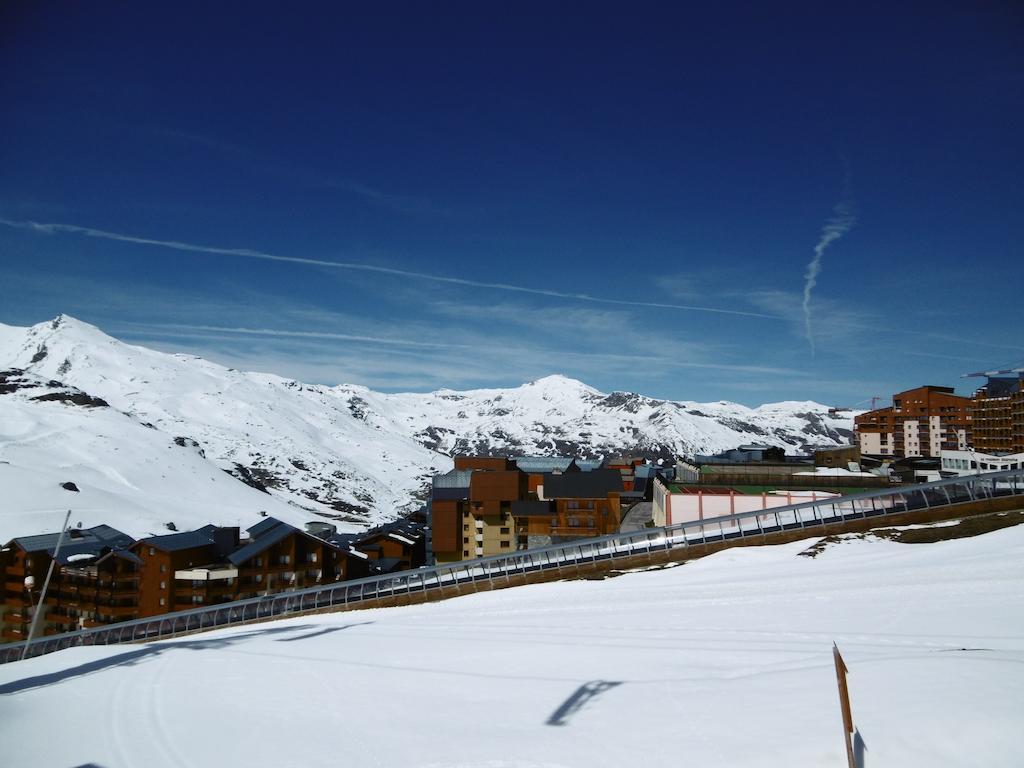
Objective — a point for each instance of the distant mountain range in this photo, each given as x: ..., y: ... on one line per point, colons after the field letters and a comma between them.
x: 144, y: 435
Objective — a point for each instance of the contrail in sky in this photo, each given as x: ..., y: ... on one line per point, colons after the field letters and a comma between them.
x: 52, y: 228
x: 842, y: 221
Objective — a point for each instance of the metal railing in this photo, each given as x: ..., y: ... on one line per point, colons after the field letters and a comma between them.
x: 554, y: 558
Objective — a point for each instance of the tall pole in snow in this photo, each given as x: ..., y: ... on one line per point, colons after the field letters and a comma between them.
x: 46, y: 583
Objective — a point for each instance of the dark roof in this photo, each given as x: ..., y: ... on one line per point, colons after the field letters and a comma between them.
x: 124, y: 554
x: 385, y: 564
x: 342, y: 540
x: 450, y: 494
x: 539, y: 464
x: 410, y: 529
x: 77, y: 541
x: 596, y: 484
x: 262, y: 527
x: 270, y: 537
x: 174, y: 542
x: 531, y: 508
x: 457, y: 478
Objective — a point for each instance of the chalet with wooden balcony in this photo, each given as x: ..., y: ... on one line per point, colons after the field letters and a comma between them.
x: 99, y: 591
x: 25, y: 562
x: 185, y: 570
x: 395, y: 546
x: 584, y: 504
x: 279, y: 557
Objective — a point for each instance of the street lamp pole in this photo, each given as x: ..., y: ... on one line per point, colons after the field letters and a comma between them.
x: 46, y: 583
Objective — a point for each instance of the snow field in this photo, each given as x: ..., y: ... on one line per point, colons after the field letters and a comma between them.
x: 724, y: 661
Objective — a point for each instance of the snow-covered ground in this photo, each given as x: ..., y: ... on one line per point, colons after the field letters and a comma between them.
x: 725, y: 661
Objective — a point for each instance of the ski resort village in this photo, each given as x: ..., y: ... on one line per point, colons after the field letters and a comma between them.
x: 94, y: 436
x: 521, y: 385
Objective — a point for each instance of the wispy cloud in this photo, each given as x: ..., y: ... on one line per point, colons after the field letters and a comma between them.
x: 678, y: 286
x: 842, y: 221
x: 312, y: 335
x: 287, y: 171
x: 54, y: 228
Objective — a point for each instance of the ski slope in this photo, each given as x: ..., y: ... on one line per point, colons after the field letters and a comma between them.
x: 724, y: 661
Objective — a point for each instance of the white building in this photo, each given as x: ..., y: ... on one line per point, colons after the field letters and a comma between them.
x: 972, y: 462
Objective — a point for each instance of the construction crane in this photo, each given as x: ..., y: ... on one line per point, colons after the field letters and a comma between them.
x: 1016, y: 367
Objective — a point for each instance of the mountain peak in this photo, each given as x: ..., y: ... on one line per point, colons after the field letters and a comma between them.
x: 557, y: 381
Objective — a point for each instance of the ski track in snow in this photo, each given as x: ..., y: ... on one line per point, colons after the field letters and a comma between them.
x: 723, y: 661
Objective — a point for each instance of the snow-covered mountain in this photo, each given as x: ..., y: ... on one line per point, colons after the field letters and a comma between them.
x: 153, y: 430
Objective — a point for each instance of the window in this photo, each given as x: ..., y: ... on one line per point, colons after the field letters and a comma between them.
x: 196, y: 599
x: 465, y: 553
x: 283, y: 560
x: 504, y: 530
x: 28, y: 562
x: 152, y: 551
x: 465, y: 527
x: 163, y: 585
x: 163, y: 567
x: 258, y: 562
x: 505, y: 545
x: 259, y: 577
x: 163, y: 601
x: 465, y: 539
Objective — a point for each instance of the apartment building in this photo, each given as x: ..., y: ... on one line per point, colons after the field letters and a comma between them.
x: 921, y: 422
x: 471, y: 508
x: 25, y: 561
x: 396, y: 546
x: 487, y: 522
x: 584, y: 504
x: 170, y: 565
x: 997, y: 413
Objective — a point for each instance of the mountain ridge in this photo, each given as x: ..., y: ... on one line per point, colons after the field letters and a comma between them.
x: 358, y: 456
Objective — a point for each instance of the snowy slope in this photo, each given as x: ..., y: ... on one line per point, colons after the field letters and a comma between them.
x: 364, y: 456
x: 133, y: 477
x: 725, y: 661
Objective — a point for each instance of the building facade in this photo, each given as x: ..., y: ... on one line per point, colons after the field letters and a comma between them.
x: 920, y: 422
x: 997, y: 413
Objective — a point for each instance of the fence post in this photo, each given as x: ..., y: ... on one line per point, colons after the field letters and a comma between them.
x: 844, y: 704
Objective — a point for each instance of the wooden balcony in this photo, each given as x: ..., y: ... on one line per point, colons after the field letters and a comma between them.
x: 14, y: 601
x: 14, y: 634
x: 120, y: 611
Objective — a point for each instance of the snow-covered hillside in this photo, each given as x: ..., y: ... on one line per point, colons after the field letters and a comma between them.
x: 117, y: 470
x: 346, y: 452
x: 724, y: 661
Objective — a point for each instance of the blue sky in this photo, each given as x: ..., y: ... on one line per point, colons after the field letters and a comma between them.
x: 738, y: 203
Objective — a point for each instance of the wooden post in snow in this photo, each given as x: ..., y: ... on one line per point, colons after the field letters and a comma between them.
x: 844, y: 703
